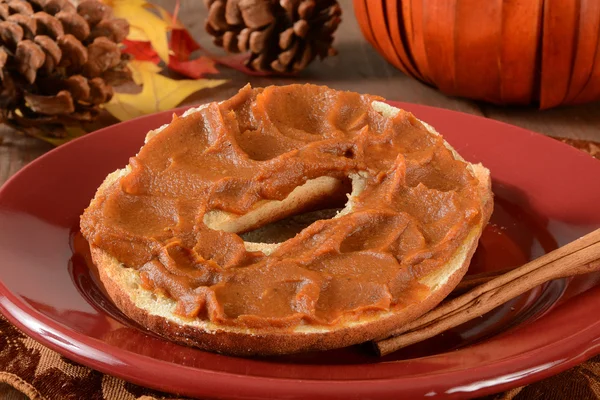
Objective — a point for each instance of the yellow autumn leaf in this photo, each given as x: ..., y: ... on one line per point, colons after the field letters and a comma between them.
x: 159, y: 93
x: 136, y: 67
x: 144, y: 24
x: 168, y: 18
x: 138, y: 35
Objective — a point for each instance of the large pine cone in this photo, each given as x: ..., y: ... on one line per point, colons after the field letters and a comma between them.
x: 58, y: 63
x: 282, y: 35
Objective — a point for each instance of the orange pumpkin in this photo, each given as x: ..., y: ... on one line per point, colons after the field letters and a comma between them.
x: 544, y: 52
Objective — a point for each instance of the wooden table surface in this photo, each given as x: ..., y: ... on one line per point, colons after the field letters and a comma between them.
x: 358, y: 67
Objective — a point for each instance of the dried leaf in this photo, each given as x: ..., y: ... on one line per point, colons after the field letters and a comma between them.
x: 141, y: 51
x: 182, y: 44
x: 139, y: 16
x: 136, y: 75
x: 195, y: 68
x: 141, y: 46
x: 171, y: 19
x: 238, y: 62
x: 158, y: 93
x: 136, y: 34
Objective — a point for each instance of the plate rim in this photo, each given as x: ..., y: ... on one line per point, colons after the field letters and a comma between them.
x: 46, y: 324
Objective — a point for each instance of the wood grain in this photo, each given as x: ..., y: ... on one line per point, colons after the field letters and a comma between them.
x: 574, y: 122
x: 17, y: 150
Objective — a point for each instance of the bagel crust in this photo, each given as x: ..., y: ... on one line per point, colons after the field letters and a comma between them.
x: 167, y: 232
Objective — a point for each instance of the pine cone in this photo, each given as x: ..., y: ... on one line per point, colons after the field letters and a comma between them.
x: 282, y: 35
x: 58, y: 63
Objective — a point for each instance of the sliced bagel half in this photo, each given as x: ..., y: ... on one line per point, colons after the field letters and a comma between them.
x: 157, y: 312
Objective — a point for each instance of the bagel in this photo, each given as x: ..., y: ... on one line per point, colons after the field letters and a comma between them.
x: 183, y: 236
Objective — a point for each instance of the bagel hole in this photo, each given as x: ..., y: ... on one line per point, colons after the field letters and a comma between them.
x: 286, y: 228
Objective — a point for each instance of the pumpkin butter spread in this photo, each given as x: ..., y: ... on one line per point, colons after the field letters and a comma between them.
x: 415, y: 206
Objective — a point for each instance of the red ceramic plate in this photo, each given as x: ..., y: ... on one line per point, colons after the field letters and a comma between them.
x: 546, y: 195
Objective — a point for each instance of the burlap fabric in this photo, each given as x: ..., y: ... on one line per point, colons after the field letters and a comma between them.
x: 29, y: 370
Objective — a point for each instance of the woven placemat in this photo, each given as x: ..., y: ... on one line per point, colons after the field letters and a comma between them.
x: 29, y: 370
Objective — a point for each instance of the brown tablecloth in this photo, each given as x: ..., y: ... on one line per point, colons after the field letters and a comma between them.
x: 29, y: 370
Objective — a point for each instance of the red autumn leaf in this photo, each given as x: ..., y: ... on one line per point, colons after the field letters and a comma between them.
x: 195, y: 68
x: 238, y: 62
x: 182, y: 44
x: 142, y: 51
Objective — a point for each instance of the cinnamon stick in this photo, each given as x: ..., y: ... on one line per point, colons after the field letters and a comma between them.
x: 578, y: 257
x: 472, y: 281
